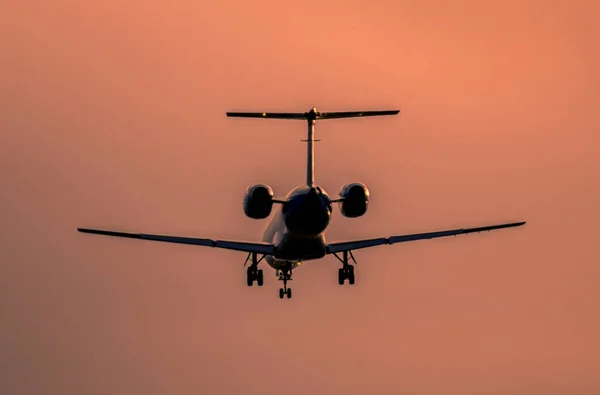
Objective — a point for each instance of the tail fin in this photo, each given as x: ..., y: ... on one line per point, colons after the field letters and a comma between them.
x: 311, y: 117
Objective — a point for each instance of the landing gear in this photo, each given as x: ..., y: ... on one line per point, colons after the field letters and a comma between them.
x: 285, y: 275
x: 287, y: 292
x: 346, y: 272
x: 254, y: 273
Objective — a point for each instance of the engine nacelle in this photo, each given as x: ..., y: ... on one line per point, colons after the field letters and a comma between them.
x: 355, y: 200
x: 258, y: 201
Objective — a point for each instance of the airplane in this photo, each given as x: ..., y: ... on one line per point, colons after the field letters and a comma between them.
x: 296, y: 231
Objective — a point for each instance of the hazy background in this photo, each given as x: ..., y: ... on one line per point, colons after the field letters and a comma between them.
x: 112, y: 115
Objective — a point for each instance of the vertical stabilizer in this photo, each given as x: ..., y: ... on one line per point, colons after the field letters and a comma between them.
x: 310, y: 152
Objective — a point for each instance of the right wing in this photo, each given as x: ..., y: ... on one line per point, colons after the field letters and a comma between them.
x: 358, y: 244
x: 259, y: 248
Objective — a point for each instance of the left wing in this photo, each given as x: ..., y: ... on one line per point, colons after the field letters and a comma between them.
x: 333, y: 248
x: 259, y: 248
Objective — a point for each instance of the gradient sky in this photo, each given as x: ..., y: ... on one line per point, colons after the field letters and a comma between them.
x: 112, y: 115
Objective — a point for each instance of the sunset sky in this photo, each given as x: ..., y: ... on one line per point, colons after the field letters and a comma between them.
x: 112, y: 115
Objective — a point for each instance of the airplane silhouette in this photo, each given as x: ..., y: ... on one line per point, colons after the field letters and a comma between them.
x: 296, y: 232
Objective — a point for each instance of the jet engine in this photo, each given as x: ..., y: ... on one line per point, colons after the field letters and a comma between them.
x: 355, y: 200
x: 258, y: 201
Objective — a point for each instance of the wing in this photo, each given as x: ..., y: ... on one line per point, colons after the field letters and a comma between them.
x: 259, y: 248
x: 333, y: 248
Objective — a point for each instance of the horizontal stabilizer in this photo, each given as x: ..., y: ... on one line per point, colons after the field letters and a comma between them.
x: 354, y: 114
x: 312, y: 114
x: 275, y: 115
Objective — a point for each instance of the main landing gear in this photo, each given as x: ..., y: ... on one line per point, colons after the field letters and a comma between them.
x: 254, y: 273
x: 285, y: 275
x: 346, y: 272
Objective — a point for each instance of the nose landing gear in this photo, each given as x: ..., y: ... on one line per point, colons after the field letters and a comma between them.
x: 285, y: 275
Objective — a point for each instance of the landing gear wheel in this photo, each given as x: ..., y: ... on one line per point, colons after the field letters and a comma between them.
x: 351, y: 276
x: 254, y: 273
x: 285, y: 275
x: 346, y: 272
x: 250, y: 276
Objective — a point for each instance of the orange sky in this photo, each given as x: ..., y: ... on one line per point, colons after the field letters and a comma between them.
x: 112, y: 115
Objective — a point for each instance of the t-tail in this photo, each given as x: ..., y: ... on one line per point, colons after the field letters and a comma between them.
x: 311, y: 118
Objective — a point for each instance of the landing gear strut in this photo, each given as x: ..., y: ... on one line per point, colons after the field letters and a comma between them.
x: 346, y: 272
x: 254, y: 273
x: 285, y: 275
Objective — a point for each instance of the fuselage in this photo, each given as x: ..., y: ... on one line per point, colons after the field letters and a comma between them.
x: 297, y: 228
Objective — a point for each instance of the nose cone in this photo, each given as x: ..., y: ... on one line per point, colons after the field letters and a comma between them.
x: 308, y: 215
